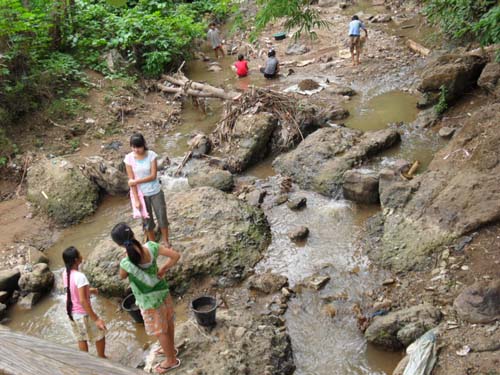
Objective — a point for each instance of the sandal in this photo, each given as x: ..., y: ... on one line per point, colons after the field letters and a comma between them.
x: 159, y: 369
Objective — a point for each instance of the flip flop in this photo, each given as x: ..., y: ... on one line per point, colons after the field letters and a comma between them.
x: 160, y: 351
x: 159, y: 369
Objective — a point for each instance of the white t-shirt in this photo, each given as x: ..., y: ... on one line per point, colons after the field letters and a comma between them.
x: 142, y: 168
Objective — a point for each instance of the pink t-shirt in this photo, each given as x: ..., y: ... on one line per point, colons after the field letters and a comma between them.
x: 76, y: 280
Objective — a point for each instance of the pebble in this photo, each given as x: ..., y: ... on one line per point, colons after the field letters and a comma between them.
x: 388, y: 281
x: 464, y: 268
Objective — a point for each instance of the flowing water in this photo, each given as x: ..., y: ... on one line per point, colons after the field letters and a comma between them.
x: 322, y: 344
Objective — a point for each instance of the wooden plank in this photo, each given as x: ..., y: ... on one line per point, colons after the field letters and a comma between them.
x: 21, y: 354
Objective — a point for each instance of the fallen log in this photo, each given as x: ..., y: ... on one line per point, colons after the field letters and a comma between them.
x: 22, y: 354
x: 196, y: 89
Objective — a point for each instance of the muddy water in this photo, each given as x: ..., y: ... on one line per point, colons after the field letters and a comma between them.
x: 379, y: 111
x: 322, y: 344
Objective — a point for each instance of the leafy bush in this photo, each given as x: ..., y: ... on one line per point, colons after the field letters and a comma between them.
x: 466, y: 19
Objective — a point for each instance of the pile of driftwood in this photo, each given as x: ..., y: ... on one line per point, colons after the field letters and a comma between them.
x: 284, y: 107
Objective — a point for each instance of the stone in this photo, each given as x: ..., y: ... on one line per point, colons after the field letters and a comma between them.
x: 214, y: 68
x: 340, y: 90
x: 381, y: 18
x: 321, y: 160
x: 446, y: 132
x: 241, y: 342
x: 200, y: 145
x: 36, y: 256
x: 399, y: 329
x: 267, y: 282
x: 361, y: 185
x: 490, y: 78
x: 255, y: 197
x: 213, y: 177
x: 9, y: 279
x: 114, y: 60
x: 439, y: 206
x: 299, y: 233
x: 249, y: 140
x: 327, y: 3
x: 39, y: 279
x: 280, y: 199
x: 297, y: 203
x: 457, y: 73
x: 317, y: 281
x: 105, y: 175
x: 296, y: 49
x: 59, y: 189
x: 28, y: 301
x: 217, y: 234
x: 333, y: 113
x: 480, y: 302
x: 394, y: 192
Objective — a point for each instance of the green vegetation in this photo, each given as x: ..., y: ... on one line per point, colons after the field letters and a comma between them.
x: 45, y: 44
x: 297, y: 13
x: 442, y: 104
x: 466, y: 20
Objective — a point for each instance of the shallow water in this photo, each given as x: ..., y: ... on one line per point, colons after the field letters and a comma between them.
x: 379, y: 111
x: 322, y: 344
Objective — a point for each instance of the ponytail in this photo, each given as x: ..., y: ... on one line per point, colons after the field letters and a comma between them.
x: 123, y: 236
x: 69, y: 302
x: 131, y: 246
x: 70, y: 256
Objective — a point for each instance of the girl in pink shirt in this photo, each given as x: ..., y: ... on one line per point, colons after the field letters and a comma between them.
x: 85, y: 323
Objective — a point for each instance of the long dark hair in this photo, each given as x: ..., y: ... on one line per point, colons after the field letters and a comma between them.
x: 70, y: 256
x: 123, y: 236
x: 137, y: 140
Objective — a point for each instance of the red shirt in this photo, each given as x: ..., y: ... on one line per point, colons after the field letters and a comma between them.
x: 241, y: 68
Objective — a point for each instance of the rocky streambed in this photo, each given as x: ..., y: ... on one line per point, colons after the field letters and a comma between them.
x: 288, y: 258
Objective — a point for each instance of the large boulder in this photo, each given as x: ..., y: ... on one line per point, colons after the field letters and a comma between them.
x: 457, y: 73
x: 216, y: 234
x: 242, y: 342
x: 249, y: 140
x: 39, y: 279
x: 59, y: 189
x: 490, y: 78
x: 399, y: 329
x: 9, y: 279
x: 213, y: 177
x: 321, y: 160
x: 361, y: 185
x: 105, y: 174
x: 479, y: 303
x: 459, y: 193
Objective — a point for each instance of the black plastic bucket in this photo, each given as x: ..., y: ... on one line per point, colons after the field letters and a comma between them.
x: 128, y: 304
x: 204, y: 309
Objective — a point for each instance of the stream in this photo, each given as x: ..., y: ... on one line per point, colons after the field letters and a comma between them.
x: 322, y: 344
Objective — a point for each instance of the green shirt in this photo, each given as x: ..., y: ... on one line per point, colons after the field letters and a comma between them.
x: 149, y: 290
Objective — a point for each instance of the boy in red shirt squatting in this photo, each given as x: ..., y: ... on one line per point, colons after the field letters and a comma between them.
x: 241, y: 66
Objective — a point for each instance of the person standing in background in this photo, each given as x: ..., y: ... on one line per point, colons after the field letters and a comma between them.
x: 215, y: 41
x: 355, y: 27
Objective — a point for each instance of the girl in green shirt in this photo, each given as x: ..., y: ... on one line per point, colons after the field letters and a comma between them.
x: 150, y: 289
